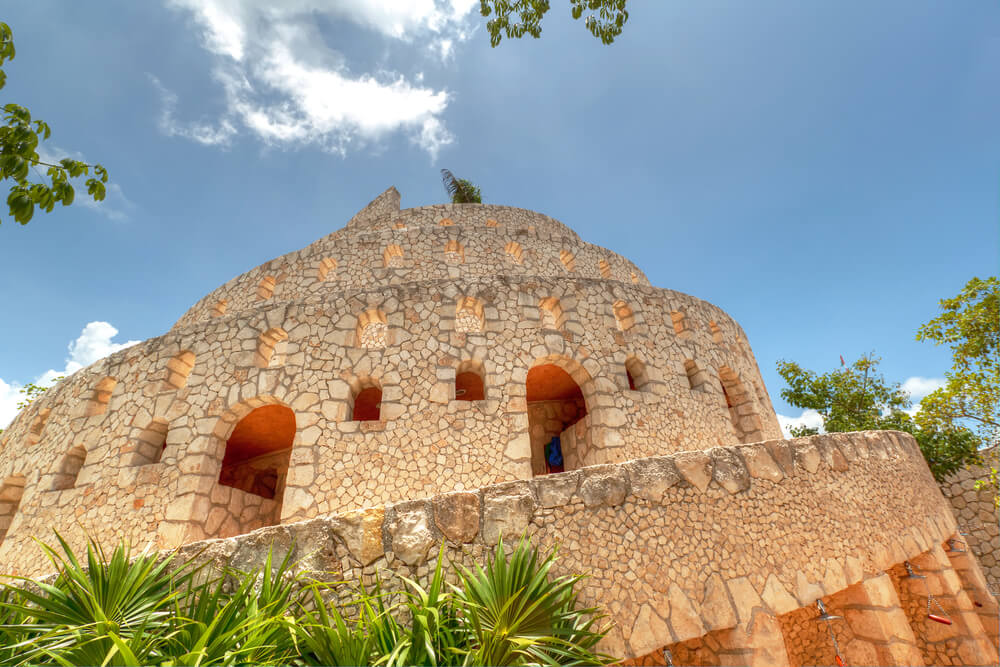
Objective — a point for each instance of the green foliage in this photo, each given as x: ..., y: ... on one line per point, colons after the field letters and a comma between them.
x: 460, y: 190
x: 19, y: 139
x: 605, y: 25
x: 970, y: 325
x: 142, y: 609
x: 859, y: 398
x: 518, y: 614
x: 31, y: 391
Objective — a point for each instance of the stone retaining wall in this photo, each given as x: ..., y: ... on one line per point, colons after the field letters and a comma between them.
x: 675, y: 546
x: 977, y: 513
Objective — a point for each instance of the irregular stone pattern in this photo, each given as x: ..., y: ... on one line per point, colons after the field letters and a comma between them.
x: 693, y: 542
x: 977, y: 513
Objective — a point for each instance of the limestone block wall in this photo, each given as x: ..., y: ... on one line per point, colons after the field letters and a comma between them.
x: 677, y: 547
x: 399, y: 302
x: 977, y: 513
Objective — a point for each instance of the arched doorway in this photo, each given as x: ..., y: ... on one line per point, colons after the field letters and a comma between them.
x: 555, y: 403
x: 256, y: 458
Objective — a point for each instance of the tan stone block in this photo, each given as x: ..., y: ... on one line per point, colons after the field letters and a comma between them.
x: 777, y: 597
x: 695, y: 467
x: 807, y: 457
x: 729, y: 470
x: 683, y: 618
x: 650, y: 478
x: 745, y: 598
x: 649, y: 632
x: 806, y: 592
x: 457, y: 515
x: 361, y: 531
x: 603, y: 485
x: 716, y: 607
x: 760, y: 463
x: 411, y: 537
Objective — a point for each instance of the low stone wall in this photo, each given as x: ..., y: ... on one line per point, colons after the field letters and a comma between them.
x: 977, y: 513
x: 675, y: 546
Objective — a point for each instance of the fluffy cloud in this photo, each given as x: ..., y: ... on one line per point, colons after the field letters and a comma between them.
x: 93, y: 343
x: 282, y: 83
x: 918, y: 387
x: 809, y: 418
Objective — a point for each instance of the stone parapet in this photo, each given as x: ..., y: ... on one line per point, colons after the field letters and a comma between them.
x: 675, y: 546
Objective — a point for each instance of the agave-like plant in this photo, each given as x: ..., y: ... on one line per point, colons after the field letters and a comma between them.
x: 517, y: 614
x: 236, y: 618
x: 111, y: 611
x: 460, y: 190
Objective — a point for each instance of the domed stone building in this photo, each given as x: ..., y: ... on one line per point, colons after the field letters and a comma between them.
x: 451, y: 373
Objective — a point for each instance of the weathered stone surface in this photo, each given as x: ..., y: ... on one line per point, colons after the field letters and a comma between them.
x: 506, y: 515
x: 684, y: 620
x: 457, y: 515
x: 650, y: 478
x: 777, y: 598
x: 695, y: 468
x: 411, y: 537
x: 760, y: 463
x: 716, y: 607
x: 729, y: 470
x: 361, y: 532
x: 649, y: 632
x: 603, y: 485
x: 555, y: 490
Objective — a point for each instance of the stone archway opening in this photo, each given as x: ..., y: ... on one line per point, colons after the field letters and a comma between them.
x: 257, y: 453
x: 555, y: 404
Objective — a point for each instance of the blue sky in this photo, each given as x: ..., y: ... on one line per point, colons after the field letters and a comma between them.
x: 824, y: 172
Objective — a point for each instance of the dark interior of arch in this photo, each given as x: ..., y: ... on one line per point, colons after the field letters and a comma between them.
x: 469, y: 387
x: 555, y: 402
x: 257, y: 452
x: 367, y: 405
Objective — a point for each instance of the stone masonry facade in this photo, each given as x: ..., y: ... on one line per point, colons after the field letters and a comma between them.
x: 398, y: 384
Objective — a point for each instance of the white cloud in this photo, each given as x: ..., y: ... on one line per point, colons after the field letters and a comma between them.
x: 918, y: 387
x: 116, y: 206
x: 93, y: 343
x: 282, y: 82
x: 809, y: 418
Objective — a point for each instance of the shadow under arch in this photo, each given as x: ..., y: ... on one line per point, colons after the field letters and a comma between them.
x: 254, y: 440
x: 558, y: 390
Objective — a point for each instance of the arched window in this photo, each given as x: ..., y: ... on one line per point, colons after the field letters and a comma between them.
x: 178, y: 370
x: 373, y: 329
x: 604, y: 268
x: 515, y: 252
x: 568, y: 259
x: 678, y: 319
x: 551, y: 313
x: 367, y: 404
x: 454, y: 252
x: 99, y: 400
x: 271, y: 348
x: 265, y: 290
x: 716, y: 331
x: 624, y: 317
x: 219, y: 309
x: 746, y: 421
x: 38, y: 425
x: 258, y: 450
x: 469, y: 315
x: 149, y: 445
x: 469, y: 384
x: 446, y: 222
x: 696, y: 377
x: 326, y: 266
x: 11, y: 491
x: 69, y: 469
x: 490, y: 222
x: 635, y: 278
x: 392, y: 258
x: 555, y: 403
x: 636, y: 372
